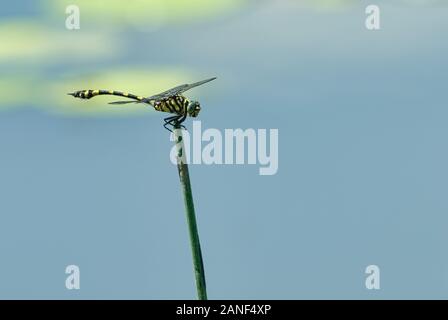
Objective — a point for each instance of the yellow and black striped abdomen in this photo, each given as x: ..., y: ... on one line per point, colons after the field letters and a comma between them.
x: 177, y: 105
x: 87, y: 94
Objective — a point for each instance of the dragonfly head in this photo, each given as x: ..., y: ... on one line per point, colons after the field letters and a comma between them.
x: 194, y: 108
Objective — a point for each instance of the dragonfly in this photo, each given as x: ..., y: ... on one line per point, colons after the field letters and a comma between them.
x: 171, y: 101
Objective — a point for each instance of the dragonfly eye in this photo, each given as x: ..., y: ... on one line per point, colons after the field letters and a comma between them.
x: 194, y: 109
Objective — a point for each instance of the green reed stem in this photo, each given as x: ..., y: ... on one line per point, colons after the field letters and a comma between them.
x: 184, y: 176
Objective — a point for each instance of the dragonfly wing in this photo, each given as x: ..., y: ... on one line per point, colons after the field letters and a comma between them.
x: 123, y: 102
x: 177, y: 90
x: 196, y: 84
x: 167, y: 94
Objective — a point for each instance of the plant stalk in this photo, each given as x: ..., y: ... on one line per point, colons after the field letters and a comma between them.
x: 184, y: 176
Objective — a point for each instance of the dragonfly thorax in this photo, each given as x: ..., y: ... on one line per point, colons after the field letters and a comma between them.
x: 178, y: 105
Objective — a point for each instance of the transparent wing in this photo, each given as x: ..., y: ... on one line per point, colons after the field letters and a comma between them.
x: 124, y: 102
x: 177, y: 90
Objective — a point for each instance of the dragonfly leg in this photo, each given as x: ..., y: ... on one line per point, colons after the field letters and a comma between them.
x: 179, y: 122
x: 170, y: 121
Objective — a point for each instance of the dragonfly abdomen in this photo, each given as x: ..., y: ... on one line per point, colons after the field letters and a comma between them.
x: 87, y: 94
x: 177, y: 105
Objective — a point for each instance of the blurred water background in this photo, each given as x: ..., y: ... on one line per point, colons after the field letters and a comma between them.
x: 362, y: 152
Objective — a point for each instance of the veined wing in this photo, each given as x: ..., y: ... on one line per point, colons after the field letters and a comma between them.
x: 125, y: 102
x: 177, y: 90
